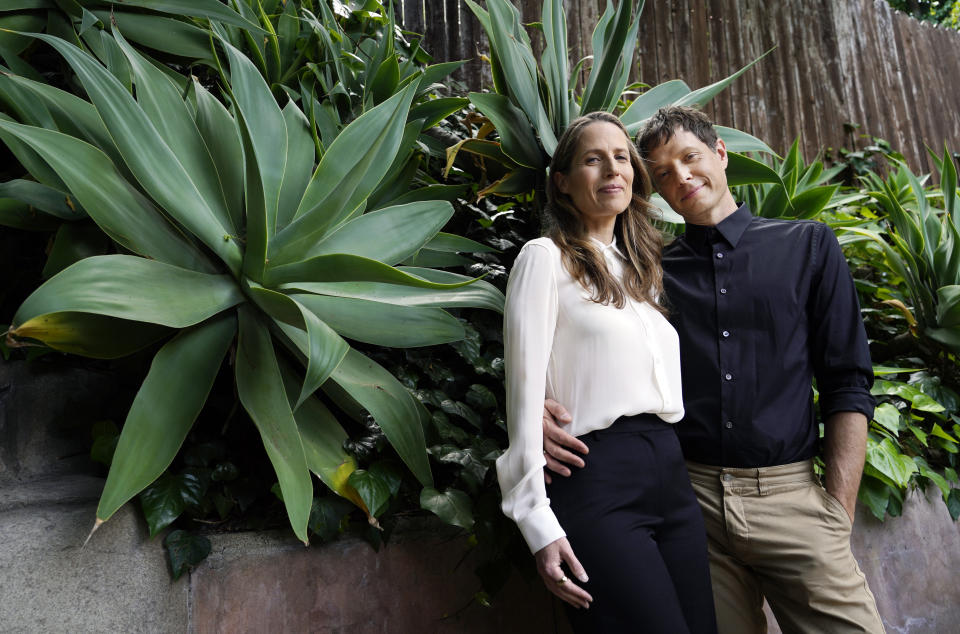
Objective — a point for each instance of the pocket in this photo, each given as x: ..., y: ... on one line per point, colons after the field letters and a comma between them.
x: 833, y: 505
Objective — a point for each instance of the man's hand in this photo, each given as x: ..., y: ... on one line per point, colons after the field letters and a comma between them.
x: 844, y: 448
x: 557, y: 442
x: 549, y: 560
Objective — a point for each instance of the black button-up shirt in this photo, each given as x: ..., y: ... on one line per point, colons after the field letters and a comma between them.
x: 763, y: 306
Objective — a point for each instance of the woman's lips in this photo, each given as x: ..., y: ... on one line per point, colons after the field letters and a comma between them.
x: 611, y: 189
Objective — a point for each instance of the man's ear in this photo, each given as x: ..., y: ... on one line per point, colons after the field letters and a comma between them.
x: 721, y: 150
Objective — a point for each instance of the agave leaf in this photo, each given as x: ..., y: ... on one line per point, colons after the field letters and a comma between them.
x: 156, y: 424
x: 389, y: 235
x: 220, y: 134
x: 948, y: 183
x: 436, y: 110
x: 556, y: 69
x: 299, y: 163
x: 323, y: 348
x: 948, y: 306
x: 20, y: 215
x: 516, y: 136
x: 382, y: 324
x: 457, y: 244
x: 168, y: 35
x: 147, y: 154
x: 211, y: 9
x: 133, y: 288
x: 742, y: 170
x: 43, y: 198
x: 260, y: 388
x: 116, y: 206
x: 810, y: 203
x: 482, y: 148
x: 432, y: 193
x: 613, y: 42
x: 89, y: 335
x: 163, y: 105
x: 479, y: 294
x: 739, y: 141
x: 74, y: 241
x: 644, y: 106
x: 364, y: 382
x: 349, y: 171
x: 343, y: 267
x: 701, y: 96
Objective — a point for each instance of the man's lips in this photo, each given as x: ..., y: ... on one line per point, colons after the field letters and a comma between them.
x: 692, y: 192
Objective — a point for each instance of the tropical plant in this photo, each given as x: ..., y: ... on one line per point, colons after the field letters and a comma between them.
x: 228, y: 238
x: 532, y: 104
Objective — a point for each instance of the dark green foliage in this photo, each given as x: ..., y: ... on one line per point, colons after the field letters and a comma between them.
x: 185, y: 550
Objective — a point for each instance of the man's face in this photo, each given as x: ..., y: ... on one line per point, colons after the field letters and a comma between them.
x: 691, y: 177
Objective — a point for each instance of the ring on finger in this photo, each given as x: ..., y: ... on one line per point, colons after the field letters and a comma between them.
x: 562, y: 579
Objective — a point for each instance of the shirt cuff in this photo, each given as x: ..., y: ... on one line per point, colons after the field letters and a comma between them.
x: 847, y: 400
x: 540, y: 527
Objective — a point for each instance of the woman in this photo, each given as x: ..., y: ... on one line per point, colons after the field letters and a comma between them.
x: 582, y: 326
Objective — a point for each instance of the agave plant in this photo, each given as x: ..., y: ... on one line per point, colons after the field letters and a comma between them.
x: 921, y: 245
x: 231, y: 236
x: 532, y: 104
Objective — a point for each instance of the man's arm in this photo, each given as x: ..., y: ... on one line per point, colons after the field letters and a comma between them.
x: 844, y: 449
x: 557, y: 442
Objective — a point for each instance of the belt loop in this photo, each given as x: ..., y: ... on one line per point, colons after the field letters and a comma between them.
x: 761, y: 483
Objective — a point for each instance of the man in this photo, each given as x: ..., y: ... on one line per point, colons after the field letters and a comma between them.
x: 762, y: 307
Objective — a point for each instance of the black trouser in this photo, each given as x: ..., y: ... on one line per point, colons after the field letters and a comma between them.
x: 635, y: 525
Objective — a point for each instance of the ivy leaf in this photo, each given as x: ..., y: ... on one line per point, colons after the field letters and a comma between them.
x: 388, y: 471
x: 939, y: 433
x: 953, y: 504
x: 462, y: 410
x: 326, y: 517
x: 889, y: 417
x: 452, y: 506
x: 481, y: 397
x: 888, y: 460
x: 185, y: 550
x: 165, y: 499
x: 373, y: 490
x: 875, y: 494
x: 919, y: 433
x: 917, y: 398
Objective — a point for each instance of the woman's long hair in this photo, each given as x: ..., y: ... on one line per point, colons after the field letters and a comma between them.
x: 637, y: 238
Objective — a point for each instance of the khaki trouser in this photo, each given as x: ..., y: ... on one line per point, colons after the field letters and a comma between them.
x: 774, y: 532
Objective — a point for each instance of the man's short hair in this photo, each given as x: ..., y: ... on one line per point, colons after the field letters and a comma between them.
x: 661, y: 126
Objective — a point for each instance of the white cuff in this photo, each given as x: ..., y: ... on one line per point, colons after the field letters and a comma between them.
x: 540, y: 527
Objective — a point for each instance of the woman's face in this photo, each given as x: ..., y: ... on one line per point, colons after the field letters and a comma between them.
x: 599, y: 180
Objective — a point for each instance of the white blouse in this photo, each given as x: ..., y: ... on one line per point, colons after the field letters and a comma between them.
x: 598, y: 361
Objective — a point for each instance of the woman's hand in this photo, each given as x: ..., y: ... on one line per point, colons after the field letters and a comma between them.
x: 549, y: 559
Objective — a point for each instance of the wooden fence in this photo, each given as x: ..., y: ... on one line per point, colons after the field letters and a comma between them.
x: 836, y: 62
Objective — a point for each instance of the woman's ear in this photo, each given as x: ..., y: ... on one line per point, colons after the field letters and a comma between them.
x: 560, y: 180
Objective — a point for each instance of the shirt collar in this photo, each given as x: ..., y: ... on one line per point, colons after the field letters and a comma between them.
x: 607, y: 249
x: 730, y: 229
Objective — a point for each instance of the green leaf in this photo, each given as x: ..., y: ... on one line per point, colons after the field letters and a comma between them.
x: 452, y: 506
x: 479, y: 294
x: 131, y: 288
x: 953, y: 504
x: 373, y: 490
x: 917, y: 398
x: 157, y: 424
x: 299, y: 163
x: 698, y: 98
x: 399, y: 415
x: 389, y: 235
x: 384, y: 324
x: 74, y: 242
x: 168, y: 35
x: 888, y: 416
x: 322, y: 346
x: 349, y: 171
x: 888, y: 460
x: 211, y: 9
x: 18, y: 215
x: 147, y: 154
x: 876, y: 495
x: 614, y: 39
x: 220, y: 134
x: 811, y: 202
x: 44, y: 198
x: 326, y: 516
x: 644, y: 106
x: 457, y: 244
x: 742, y: 170
x: 185, y: 550
x: 436, y: 110
x: 938, y: 432
x: 555, y: 64
x: 341, y: 267
x: 121, y: 211
x: 738, y: 141
x: 517, y: 139
x: 167, y: 498
x: 261, y: 391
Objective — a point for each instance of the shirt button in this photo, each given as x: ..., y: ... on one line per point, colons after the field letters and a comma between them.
x: 725, y: 333
x: 719, y: 256
x: 728, y: 424
x: 728, y: 376
x: 727, y: 477
x: 723, y: 291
